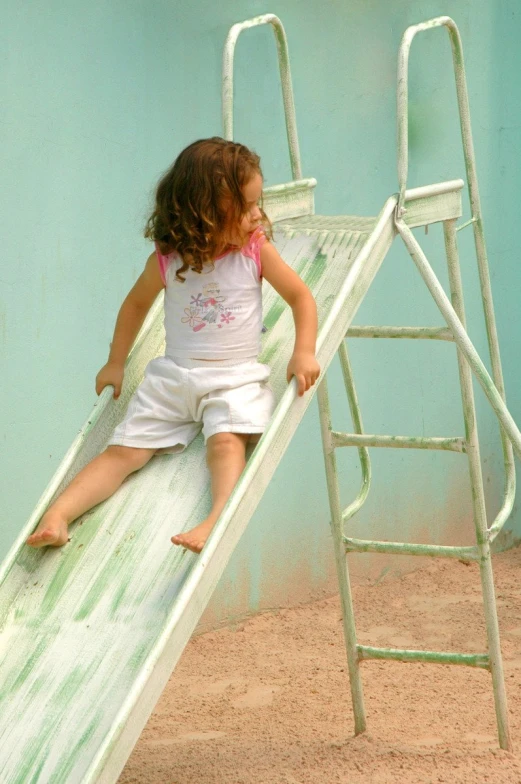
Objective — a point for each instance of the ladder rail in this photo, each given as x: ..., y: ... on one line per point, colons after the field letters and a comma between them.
x: 432, y: 657
x: 364, y: 440
x: 463, y: 108
x: 412, y: 333
x: 346, y: 599
x: 285, y: 79
x: 356, y: 416
x: 478, y: 494
x: 476, y: 220
x: 406, y: 548
x: 290, y: 199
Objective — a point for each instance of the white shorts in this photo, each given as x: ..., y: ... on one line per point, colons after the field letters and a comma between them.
x: 178, y: 398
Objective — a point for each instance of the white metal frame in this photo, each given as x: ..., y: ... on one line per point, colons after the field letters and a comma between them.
x: 468, y: 361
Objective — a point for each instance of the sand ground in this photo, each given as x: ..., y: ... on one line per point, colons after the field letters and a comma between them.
x: 268, y: 701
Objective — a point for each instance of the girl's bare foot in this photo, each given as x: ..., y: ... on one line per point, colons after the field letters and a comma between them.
x: 51, y: 532
x: 195, y: 539
x: 226, y: 461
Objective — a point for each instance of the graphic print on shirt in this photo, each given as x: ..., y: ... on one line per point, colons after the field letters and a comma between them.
x: 207, y: 309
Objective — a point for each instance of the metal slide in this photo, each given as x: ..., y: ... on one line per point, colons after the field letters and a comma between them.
x: 90, y: 633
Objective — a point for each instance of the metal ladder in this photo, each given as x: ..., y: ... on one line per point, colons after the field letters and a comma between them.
x: 468, y: 361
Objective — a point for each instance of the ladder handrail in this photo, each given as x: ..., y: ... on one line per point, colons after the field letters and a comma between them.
x: 285, y: 78
x: 476, y: 219
x: 356, y: 416
x: 463, y: 107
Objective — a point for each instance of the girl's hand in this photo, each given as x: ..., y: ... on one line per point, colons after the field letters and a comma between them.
x: 305, y: 368
x: 110, y: 374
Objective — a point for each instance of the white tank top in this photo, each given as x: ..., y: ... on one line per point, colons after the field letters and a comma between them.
x: 215, y: 314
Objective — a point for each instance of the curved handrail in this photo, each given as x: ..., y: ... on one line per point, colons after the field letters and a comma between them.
x: 285, y: 78
x: 463, y: 106
x: 363, y: 452
x: 476, y: 219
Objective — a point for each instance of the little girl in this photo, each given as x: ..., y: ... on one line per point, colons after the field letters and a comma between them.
x: 212, y: 253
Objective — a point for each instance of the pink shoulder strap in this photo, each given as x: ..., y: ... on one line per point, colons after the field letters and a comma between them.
x: 253, y: 247
x: 163, y: 261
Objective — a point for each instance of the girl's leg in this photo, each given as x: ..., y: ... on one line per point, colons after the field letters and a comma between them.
x: 96, y: 482
x: 226, y: 461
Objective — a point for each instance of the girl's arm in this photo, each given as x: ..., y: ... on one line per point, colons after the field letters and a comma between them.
x: 130, y: 318
x: 291, y: 288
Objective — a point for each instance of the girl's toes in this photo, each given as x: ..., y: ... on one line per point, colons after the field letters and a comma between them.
x: 195, y: 545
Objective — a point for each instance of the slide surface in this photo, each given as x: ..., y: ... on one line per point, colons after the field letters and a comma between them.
x: 90, y: 633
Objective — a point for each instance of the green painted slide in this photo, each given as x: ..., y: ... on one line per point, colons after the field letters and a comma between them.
x: 90, y: 633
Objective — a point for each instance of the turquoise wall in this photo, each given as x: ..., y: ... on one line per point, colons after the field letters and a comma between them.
x: 98, y: 98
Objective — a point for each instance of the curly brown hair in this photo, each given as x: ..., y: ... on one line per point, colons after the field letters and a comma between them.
x: 199, y: 198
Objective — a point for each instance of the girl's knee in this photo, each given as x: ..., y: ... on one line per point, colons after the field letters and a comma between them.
x: 227, y: 442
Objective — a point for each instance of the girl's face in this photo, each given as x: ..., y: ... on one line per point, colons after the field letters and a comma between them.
x: 252, y: 217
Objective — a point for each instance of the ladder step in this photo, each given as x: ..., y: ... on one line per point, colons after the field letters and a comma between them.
x: 397, y: 442
x: 422, y: 333
x: 469, y: 659
x: 405, y: 548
